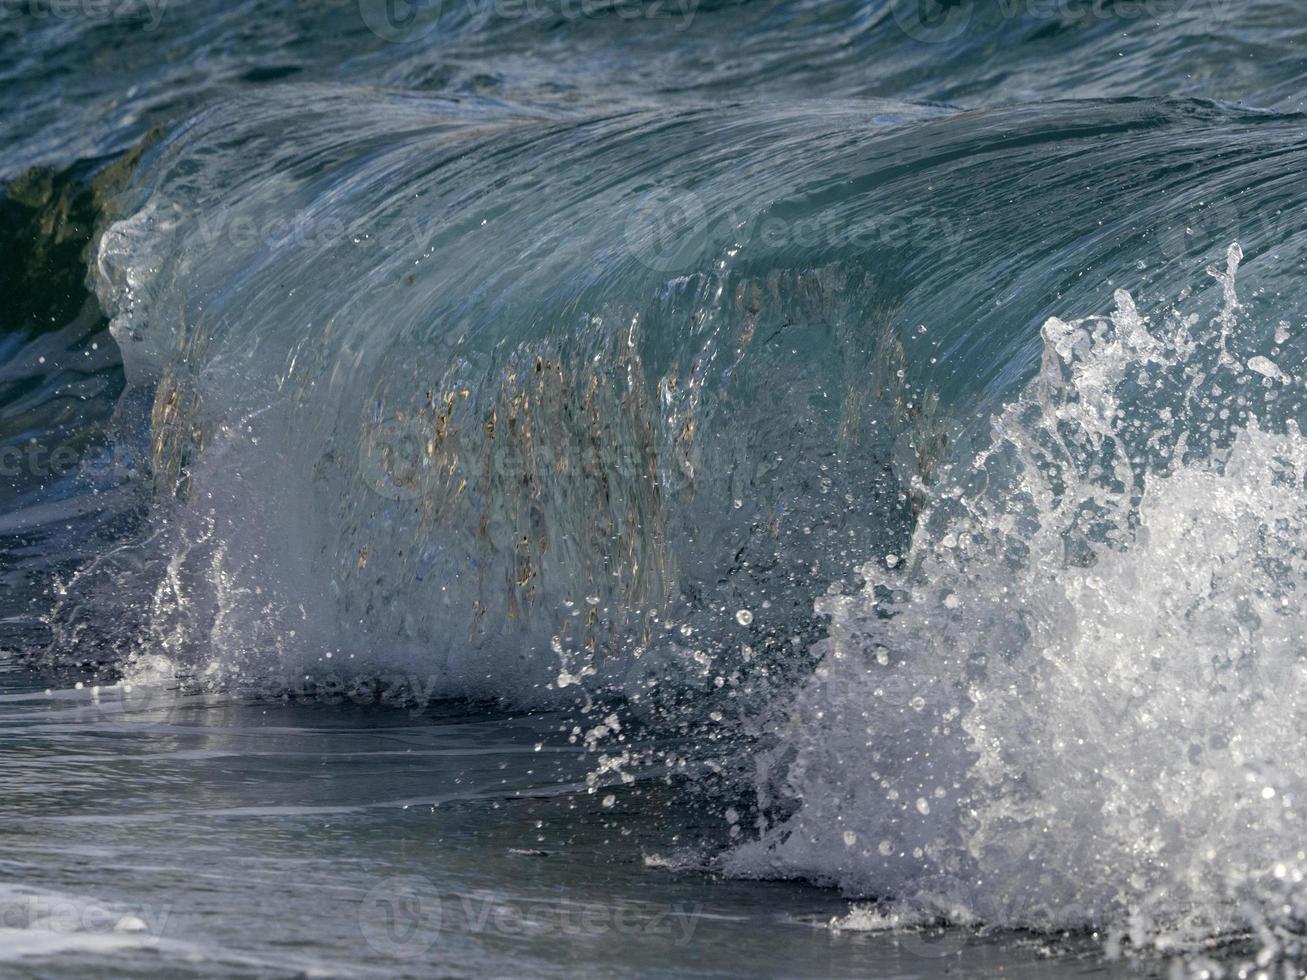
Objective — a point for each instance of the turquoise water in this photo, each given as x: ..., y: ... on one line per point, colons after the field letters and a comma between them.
x: 613, y: 488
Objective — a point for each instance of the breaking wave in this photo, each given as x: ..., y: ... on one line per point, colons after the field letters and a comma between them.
x: 1076, y: 700
x: 739, y: 422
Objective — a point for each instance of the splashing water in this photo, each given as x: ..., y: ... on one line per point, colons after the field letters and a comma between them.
x: 1078, y: 701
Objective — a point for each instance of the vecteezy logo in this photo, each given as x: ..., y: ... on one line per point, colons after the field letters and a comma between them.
x: 667, y: 230
x: 391, y: 457
x: 400, y: 21
x: 932, y: 21
x: 400, y: 917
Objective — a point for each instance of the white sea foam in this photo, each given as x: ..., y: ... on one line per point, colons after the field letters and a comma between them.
x: 1078, y: 701
x: 38, y: 922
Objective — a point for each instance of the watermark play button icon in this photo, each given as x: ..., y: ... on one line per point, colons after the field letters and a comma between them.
x: 400, y: 21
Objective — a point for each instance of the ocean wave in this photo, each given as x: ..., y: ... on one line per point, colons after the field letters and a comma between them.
x: 379, y: 425
x: 613, y: 409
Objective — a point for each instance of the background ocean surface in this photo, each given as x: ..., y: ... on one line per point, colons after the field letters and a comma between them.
x: 613, y: 487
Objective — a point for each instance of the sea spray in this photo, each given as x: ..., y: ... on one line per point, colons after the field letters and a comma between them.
x: 1077, y: 701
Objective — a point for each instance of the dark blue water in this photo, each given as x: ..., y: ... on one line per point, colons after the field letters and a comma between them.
x: 471, y: 463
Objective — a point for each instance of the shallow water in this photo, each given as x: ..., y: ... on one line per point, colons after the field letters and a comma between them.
x: 180, y: 835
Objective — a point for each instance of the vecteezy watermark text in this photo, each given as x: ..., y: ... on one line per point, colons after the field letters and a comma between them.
x: 64, y: 914
x: 149, y: 11
x: 150, y: 703
x: 671, y: 229
x: 36, y: 459
x: 404, y: 917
